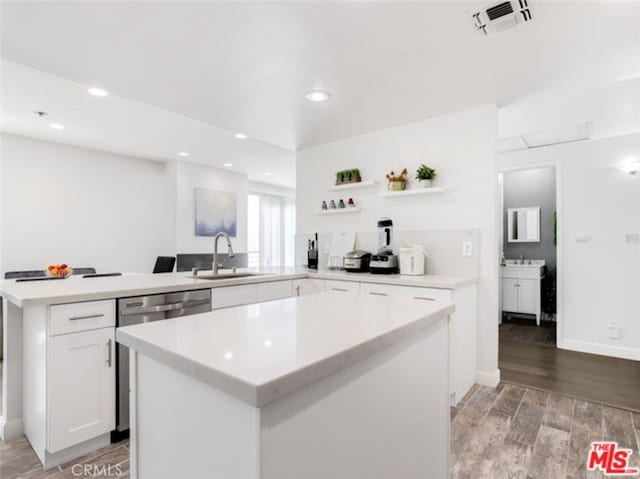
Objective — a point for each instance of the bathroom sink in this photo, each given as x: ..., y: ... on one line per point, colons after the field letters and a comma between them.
x: 516, y: 263
x: 211, y: 276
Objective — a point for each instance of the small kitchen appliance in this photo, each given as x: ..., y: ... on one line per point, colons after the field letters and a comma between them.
x: 384, y: 261
x: 356, y: 261
x: 412, y: 260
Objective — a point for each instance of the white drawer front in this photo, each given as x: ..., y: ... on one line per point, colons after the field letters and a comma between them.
x: 75, y: 317
x: 346, y: 287
x: 234, y: 296
x: 426, y: 294
x: 533, y: 272
x: 275, y: 290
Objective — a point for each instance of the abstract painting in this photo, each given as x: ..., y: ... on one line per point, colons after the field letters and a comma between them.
x: 215, y: 212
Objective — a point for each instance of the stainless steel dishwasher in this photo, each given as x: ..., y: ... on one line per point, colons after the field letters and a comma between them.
x: 145, y: 309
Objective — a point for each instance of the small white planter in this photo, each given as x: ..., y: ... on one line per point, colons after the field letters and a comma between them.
x: 425, y: 183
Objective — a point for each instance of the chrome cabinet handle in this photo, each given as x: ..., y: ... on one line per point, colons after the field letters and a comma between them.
x: 423, y: 298
x: 342, y: 290
x: 88, y: 316
x: 109, y: 353
x: 297, y: 290
x: 374, y: 293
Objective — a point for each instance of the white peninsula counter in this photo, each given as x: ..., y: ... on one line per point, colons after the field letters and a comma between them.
x: 325, y: 385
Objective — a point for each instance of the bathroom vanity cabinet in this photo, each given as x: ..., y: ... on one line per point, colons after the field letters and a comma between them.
x: 521, y: 286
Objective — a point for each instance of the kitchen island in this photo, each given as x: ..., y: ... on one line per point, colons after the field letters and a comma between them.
x: 324, y: 385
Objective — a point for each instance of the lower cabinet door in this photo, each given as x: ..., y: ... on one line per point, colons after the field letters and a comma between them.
x: 510, y: 295
x: 81, y: 387
x: 274, y: 290
x: 527, y: 302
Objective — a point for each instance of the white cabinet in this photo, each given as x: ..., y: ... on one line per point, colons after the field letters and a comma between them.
x: 274, y: 290
x: 69, y: 378
x: 521, y: 287
x: 302, y: 287
x: 229, y: 296
x: 343, y: 287
x: 82, y: 387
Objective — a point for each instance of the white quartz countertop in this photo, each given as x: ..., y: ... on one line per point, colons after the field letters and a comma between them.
x: 259, y: 353
x: 76, y: 288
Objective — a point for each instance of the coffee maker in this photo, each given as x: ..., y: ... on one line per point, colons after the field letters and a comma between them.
x: 384, y: 261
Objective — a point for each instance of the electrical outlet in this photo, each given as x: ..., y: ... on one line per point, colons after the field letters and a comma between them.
x: 633, y: 238
x: 614, y: 330
x: 467, y: 248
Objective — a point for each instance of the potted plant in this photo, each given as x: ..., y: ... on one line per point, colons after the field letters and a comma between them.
x: 348, y: 176
x: 397, y: 182
x: 425, y: 175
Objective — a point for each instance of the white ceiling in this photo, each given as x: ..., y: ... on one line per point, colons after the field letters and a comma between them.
x: 245, y: 66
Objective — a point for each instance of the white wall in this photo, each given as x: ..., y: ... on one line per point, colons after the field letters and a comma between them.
x: 599, y: 279
x: 190, y: 176
x: 462, y: 147
x: 82, y: 207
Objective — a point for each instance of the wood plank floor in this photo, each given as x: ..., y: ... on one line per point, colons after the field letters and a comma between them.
x: 518, y: 433
x: 611, y: 381
x: 507, y: 432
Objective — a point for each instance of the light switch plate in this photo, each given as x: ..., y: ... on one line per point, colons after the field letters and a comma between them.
x: 467, y: 248
x: 633, y: 238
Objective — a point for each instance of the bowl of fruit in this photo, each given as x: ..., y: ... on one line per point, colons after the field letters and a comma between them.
x: 59, y: 270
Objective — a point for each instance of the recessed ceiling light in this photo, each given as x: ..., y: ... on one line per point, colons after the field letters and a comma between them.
x: 56, y: 126
x: 228, y: 165
x: 317, y: 96
x: 240, y: 136
x: 97, y: 91
x: 183, y: 153
x: 267, y: 173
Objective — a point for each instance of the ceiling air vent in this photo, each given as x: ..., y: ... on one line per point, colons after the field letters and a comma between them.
x: 501, y: 16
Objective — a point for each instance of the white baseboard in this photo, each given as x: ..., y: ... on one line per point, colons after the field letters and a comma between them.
x: 488, y: 379
x: 10, y: 430
x: 601, y: 349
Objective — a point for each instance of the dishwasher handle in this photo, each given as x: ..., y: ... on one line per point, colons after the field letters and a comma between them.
x: 152, y: 309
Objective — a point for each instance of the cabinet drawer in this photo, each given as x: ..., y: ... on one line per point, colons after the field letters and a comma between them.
x: 76, y: 317
x: 275, y: 290
x: 234, y: 296
x: 426, y: 294
x: 517, y: 272
x: 342, y: 286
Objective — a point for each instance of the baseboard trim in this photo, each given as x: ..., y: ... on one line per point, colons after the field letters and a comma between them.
x: 600, y: 349
x: 10, y: 430
x: 488, y: 379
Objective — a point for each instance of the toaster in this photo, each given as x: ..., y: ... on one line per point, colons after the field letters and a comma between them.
x: 356, y: 261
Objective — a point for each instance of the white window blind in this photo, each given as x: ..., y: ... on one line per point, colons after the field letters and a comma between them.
x: 271, y: 230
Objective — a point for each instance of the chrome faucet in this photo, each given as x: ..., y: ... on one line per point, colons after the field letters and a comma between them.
x: 521, y: 259
x: 216, y: 265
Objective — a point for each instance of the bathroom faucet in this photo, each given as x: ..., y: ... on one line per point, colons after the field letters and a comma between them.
x: 521, y: 259
x: 215, y: 250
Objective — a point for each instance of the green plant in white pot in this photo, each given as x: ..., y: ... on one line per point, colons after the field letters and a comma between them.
x: 425, y: 175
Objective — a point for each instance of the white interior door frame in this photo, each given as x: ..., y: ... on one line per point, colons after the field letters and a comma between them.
x: 559, y: 237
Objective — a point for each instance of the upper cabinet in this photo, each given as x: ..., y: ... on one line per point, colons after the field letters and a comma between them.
x: 523, y: 225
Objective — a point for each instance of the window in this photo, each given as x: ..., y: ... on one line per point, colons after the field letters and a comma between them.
x: 271, y: 230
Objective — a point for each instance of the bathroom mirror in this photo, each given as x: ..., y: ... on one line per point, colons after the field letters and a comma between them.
x: 523, y: 225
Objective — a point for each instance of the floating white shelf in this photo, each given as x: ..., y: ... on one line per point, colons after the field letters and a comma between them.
x: 353, y: 186
x: 415, y: 191
x: 340, y: 211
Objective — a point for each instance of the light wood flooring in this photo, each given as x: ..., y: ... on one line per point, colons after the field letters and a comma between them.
x: 507, y: 432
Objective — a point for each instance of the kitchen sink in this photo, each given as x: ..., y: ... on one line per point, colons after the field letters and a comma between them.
x: 225, y: 275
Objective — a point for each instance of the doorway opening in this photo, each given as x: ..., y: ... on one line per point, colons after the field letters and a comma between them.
x: 529, y: 260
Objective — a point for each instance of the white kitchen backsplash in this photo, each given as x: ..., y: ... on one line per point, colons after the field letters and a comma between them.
x: 442, y: 247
